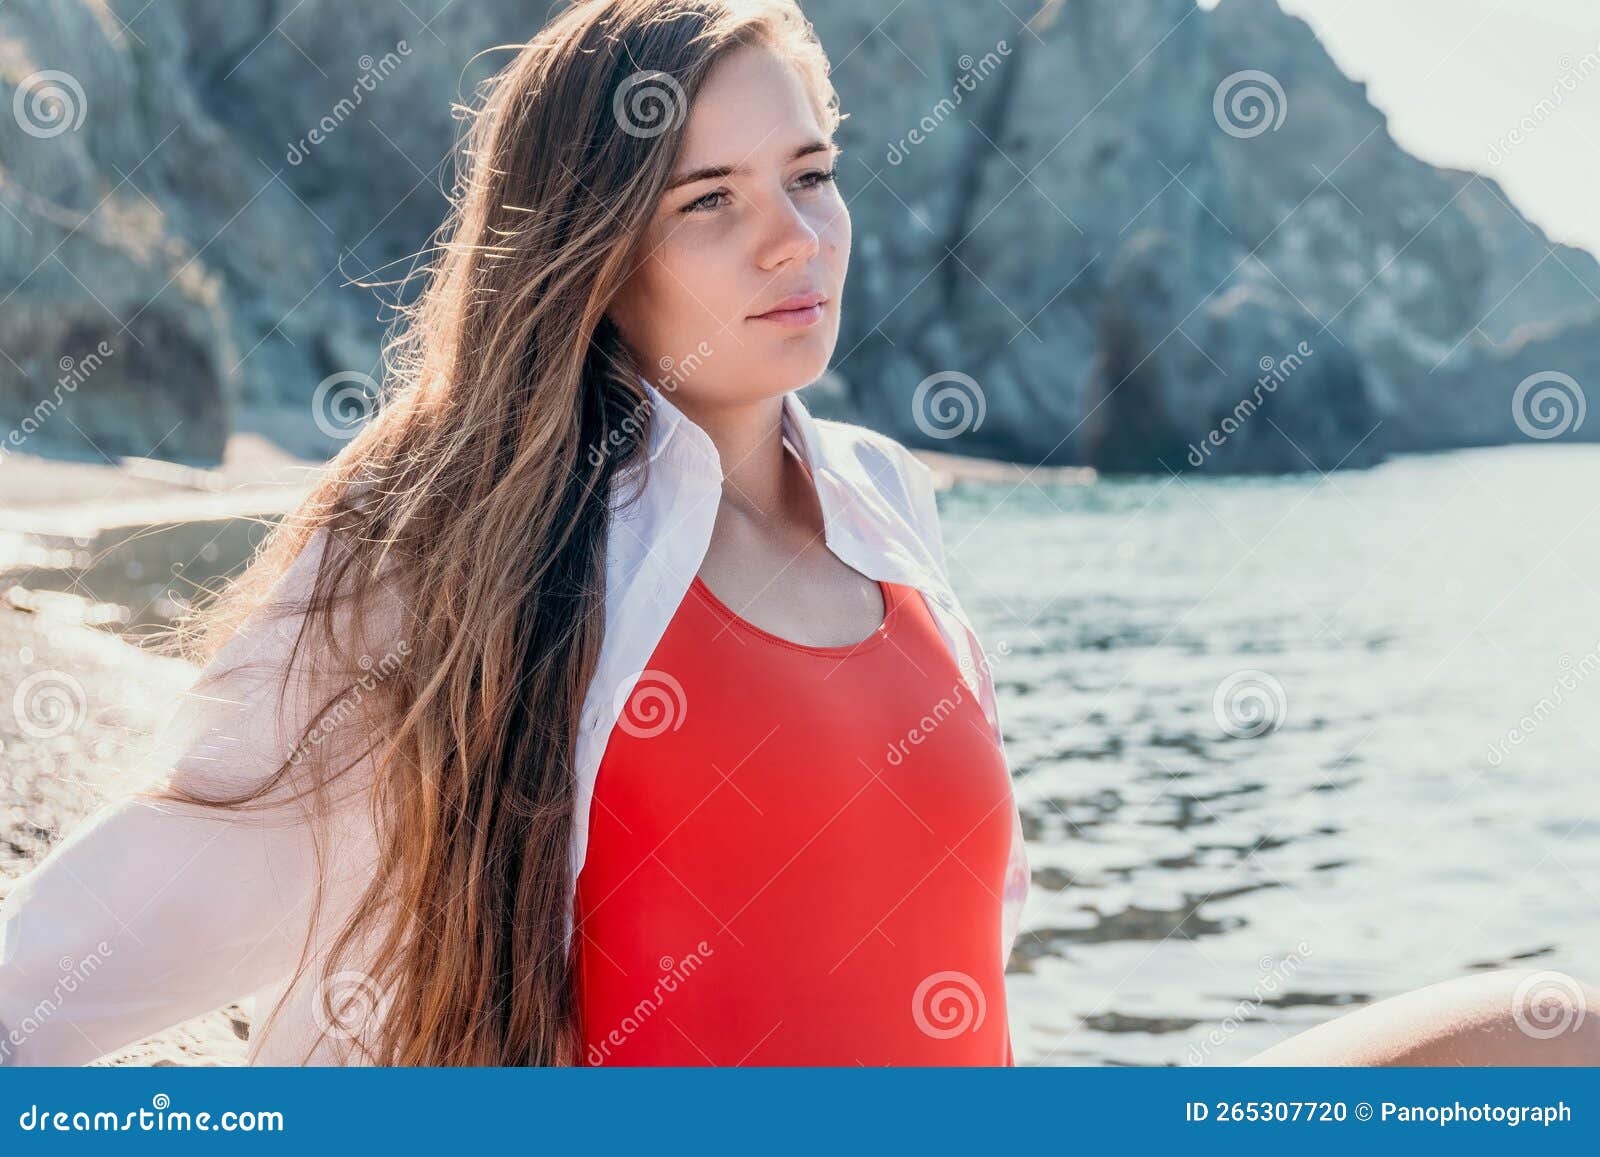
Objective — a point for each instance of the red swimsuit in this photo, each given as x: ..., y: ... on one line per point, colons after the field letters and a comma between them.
x: 796, y: 854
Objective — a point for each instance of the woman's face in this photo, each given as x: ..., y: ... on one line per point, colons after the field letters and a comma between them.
x: 756, y: 220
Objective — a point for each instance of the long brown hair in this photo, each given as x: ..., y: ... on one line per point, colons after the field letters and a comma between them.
x: 472, y: 510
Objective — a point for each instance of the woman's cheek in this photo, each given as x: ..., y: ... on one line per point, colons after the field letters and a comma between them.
x: 837, y: 238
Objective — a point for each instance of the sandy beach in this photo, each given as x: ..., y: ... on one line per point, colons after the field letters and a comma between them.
x: 52, y: 780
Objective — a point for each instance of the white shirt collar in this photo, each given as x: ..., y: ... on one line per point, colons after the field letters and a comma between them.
x: 849, y: 465
x: 670, y: 422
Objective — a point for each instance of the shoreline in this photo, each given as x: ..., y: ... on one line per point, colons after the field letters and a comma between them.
x: 949, y: 469
x: 65, y: 498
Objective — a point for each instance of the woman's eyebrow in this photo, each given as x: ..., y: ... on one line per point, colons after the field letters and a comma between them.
x: 717, y: 172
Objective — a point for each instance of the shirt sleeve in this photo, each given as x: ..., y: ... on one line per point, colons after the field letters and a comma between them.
x: 146, y: 914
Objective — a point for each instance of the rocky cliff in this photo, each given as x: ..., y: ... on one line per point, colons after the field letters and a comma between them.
x: 1133, y: 234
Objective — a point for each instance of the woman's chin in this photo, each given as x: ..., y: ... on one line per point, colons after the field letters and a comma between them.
x: 804, y: 359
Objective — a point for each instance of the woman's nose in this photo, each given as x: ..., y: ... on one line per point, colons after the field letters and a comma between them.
x: 786, y: 235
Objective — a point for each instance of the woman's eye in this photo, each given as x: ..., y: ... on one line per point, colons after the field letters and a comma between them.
x: 810, y: 180
x: 820, y: 177
x: 701, y: 204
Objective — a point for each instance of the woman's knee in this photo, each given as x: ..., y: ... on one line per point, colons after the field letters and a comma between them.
x: 1507, y: 1016
x: 1549, y: 1017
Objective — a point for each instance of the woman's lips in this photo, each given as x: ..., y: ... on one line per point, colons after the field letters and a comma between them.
x: 797, y: 310
x: 796, y: 318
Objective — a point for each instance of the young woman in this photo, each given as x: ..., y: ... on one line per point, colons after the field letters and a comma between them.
x: 600, y: 705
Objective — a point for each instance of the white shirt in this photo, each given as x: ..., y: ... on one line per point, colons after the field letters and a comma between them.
x: 144, y: 916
